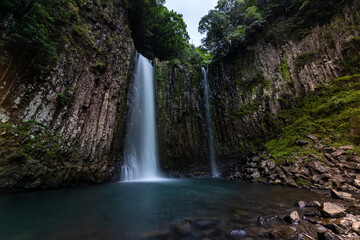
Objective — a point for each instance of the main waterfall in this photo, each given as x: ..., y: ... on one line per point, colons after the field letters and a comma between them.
x: 140, y: 153
x: 214, y: 170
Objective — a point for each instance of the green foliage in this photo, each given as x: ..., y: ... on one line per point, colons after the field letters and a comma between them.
x: 231, y: 24
x: 248, y: 109
x: 157, y: 32
x: 331, y: 113
x: 284, y: 71
x: 236, y: 24
x: 32, y: 30
x: 99, y: 67
x: 303, y: 59
x: 351, y: 62
x: 62, y: 99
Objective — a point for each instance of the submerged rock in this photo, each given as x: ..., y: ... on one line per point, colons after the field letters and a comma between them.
x: 184, y: 227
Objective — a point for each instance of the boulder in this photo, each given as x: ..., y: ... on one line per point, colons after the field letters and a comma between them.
x: 255, y: 175
x: 301, y: 204
x: 357, y: 183
x: 356, y: 227
x: 341, y: 195
x: 292, y: 217
x: 271, y: 165
x: 314, y: 204
x: 285, y: 233
x: 332, y: 210
x: 316, y: 166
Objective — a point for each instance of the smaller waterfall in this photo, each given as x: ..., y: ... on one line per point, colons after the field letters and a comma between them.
x: 214, y: 169
x: 140, y: 153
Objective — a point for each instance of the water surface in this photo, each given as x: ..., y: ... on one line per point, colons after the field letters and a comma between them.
x: 128, y: 210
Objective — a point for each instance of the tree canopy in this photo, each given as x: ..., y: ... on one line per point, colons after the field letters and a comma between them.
x: 157, y: 32
x: 235, y: 24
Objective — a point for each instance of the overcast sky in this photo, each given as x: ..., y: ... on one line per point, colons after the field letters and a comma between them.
x: 192, y: 11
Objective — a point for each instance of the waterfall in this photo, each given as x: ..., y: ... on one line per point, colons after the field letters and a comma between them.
x: 214, y: 170
x: 140, y: 152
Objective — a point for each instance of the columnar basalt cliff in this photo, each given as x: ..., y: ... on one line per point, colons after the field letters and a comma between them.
x: 67, y: 127
x: 181, y: 123
x: 251, y: 90
x: 248, y: 93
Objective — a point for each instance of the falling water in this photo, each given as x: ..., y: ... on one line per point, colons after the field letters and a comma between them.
x: 214, y: 170
x: 140, y: 153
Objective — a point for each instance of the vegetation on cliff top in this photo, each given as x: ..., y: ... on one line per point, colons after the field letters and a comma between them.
x: 158, y: 32
x: 235, y: 25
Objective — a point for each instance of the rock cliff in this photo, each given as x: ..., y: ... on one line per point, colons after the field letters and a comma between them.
x: 66, y: 127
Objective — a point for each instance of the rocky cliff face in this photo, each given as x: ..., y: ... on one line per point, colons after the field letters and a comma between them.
x: 67, y: 127
x: 248, y: 93
x: 181, y: 123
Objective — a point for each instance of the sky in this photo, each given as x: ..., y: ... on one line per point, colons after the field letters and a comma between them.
x: 192, y: 11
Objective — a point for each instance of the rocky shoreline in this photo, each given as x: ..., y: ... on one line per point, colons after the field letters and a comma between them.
x: 336, y: 218
x: 337, y: 168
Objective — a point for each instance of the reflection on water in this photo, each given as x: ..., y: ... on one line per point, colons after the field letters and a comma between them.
x: 126, y: 210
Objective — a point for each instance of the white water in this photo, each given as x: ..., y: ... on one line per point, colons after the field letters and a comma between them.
x: 140, y: 153
x: 214, y: 169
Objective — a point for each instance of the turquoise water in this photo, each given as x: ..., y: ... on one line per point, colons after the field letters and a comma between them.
x: 128, y: 210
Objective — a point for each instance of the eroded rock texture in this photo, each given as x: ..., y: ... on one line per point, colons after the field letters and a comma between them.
x: 251, y: 91
x: 75, y: 114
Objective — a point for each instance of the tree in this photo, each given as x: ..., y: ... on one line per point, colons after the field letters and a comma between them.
x: 157, y: 32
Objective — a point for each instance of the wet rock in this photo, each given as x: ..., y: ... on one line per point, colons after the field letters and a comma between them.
x: 261, y: 221
x: 292, y: 217
x: 285, y: 233
x: 184, y: 227
x: 238, y: 233
x: 332, y: 210
x: 301, y: 204
x: 328, y: 236
x: 336, y: 228
x: 207, y: 223
x: 313, y: 204
x: 341, y: 195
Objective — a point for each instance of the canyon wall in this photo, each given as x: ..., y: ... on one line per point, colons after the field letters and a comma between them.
x: 248, y: 93
x: 67, y: 127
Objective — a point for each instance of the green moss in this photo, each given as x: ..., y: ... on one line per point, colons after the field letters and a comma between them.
x: 302, y: 183
x: 62, y: 99
x: 247, y: 109
x: 99, y: 67
x: 284, y: 71
x: 351, y: 62
x: 331, y: 113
